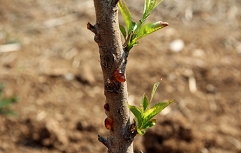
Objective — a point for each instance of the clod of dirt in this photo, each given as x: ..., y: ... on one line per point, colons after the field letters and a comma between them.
x: 172, y: 135
x: 47, y: 134
x: 86, y: 75
x: 82, y: 126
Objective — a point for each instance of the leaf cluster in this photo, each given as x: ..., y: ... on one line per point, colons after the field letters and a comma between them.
x: 144, y: 114
x: 135, y: 31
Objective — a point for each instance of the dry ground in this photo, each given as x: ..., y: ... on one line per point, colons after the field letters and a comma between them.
x: 56, y: 75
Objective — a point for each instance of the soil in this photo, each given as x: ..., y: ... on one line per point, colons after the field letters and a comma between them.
x: 53, y: 68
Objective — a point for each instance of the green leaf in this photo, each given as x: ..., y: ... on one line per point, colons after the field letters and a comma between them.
x: 137, y: 113
x: 145, y: 103
x: 149, y: 124
x: 136, y: 30
x: 126, y: 14
x: 145, y: 12
x: 144, y: 115
x: 148, y: 7
x: 154, y: 110
x: 148, y: 29
x: 157, y: 3
x: 123, y: 30
x: 141, y: 131
x: 155, y: 86
x: 131, y: 44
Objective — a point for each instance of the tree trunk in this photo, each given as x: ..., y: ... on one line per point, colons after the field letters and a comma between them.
x: 112, y: 58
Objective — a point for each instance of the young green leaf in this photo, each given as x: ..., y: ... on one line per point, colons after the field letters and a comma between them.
x: 157, y: 3
x: 123, y: 30
x: 131, y: 43
x: 149, y: 124
x: 148, y: 7
x: 141, y: 131
x: 137, y: 112
x: 154, y: 110
x: 126, y: 14
x: 148, y: 29
x: 145, y: 103
x: 144, y: 115
x: 154, y: 90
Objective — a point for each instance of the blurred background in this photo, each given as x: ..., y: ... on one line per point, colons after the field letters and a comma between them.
x: 49, y: 61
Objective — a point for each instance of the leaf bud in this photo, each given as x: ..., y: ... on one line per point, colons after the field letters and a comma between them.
x: 106, y: 107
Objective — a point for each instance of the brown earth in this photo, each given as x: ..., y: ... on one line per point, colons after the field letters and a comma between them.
x: 56, y: 76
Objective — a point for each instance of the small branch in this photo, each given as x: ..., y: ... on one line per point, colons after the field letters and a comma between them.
x: 128, y: 39
x: 91, y: 28
x: 103, y: 140
x: 95, y: 31
x: 130, y: 131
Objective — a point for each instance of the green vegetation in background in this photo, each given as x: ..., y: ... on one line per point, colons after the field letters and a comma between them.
x: 6, y: 102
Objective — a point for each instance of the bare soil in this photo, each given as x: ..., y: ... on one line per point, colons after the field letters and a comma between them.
x: 55, y: 74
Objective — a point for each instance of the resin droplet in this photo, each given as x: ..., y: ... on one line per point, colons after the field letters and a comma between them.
x: 106, y: 107
x: 119, y: 75
x: 108, y: 123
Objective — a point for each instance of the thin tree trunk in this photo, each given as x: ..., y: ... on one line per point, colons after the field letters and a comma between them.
x: 112, y: 58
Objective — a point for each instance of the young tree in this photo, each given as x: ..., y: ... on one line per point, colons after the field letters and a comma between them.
x: 113, y: 59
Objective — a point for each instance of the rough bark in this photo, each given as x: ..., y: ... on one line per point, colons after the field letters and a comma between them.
x: 113, y: 57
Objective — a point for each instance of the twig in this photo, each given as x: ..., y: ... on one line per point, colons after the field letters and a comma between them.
x: 10, y: 47
x: 95, y: 31
x: 91, y: 28
x: 192, y: 84
x: 103, y: 140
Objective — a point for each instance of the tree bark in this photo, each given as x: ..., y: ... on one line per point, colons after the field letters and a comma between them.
x: 113, y: 57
